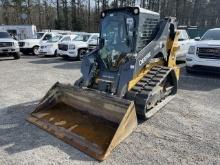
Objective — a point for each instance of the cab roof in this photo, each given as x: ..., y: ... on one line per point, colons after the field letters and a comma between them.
x: 141, y: 10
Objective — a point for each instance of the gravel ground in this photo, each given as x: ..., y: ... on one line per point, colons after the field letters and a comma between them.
x: 186, y: 131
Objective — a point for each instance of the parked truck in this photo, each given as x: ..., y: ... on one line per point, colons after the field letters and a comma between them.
x: 204, y: 54
x: 184, y: 42
x: 78, y: 47
x: 8, y: 46
x: 20, y: 32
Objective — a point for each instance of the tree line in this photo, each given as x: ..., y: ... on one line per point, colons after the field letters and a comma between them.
x: 83, y: 15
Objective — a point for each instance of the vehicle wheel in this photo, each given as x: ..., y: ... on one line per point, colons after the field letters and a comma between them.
x: 81, y: 54
x: 65, y: 58
x: 35, y: 50
x: 55, y: 53
x: 16, y: 56
x: 78, y: 83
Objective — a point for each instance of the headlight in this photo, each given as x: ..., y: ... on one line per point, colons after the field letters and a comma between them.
x: 71, y: 46
x: 26, y: 44
x: 192, y: 50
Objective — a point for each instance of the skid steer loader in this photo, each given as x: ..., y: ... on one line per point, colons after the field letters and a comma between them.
x: 133, y: 71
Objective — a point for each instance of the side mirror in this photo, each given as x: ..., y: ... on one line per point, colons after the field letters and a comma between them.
x: 101, y: 42
x: 197, y: 39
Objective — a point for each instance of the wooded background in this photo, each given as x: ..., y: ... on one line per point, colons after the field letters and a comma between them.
x: 83, y: 15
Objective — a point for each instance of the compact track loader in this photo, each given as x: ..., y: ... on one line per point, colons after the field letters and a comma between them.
x: 132, y: 72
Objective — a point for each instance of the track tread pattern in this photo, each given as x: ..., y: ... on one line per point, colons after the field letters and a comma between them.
x: 141, y: 92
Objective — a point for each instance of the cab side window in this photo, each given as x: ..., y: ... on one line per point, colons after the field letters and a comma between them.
x: 47, y: 37
x: 94, y: 39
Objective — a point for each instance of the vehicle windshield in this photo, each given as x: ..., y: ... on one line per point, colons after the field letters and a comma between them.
x: 55, y: 39
x: 82, y: 37
x: 74, y: 37
x: 211, y: 35
x: 5, y: 35
x: 117, y: 36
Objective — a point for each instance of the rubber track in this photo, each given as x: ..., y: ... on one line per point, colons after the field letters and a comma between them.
x: 141, y: 92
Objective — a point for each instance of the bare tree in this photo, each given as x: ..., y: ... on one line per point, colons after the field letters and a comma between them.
x: 84, y: 15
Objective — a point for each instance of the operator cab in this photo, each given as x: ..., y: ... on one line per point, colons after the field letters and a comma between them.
x: 124, y: 32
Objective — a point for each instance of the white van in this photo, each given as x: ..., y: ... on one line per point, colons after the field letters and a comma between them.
x: 32, y: 45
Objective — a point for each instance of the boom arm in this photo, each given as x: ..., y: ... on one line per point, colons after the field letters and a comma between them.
x: 173, y: 46
x: 158, y: 46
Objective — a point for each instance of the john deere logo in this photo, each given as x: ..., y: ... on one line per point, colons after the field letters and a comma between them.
x: 143, y: 60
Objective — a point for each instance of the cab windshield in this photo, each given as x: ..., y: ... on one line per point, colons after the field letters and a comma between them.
x: 117, y: 37
x: 55, y: 39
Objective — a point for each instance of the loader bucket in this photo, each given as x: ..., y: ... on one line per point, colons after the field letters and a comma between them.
x: 89, y: 120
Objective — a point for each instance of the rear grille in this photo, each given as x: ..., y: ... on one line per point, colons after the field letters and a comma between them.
x: 63, y: 47
x: 6, y: 44
x: 209, y: 53
x: 21, y: 44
